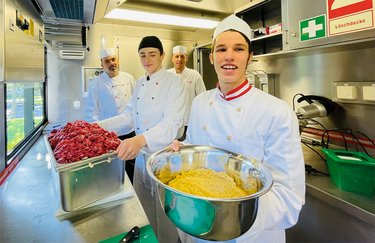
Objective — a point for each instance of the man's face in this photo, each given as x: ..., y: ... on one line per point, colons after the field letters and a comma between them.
x: 179, y: 61
x: 230, y: 57
x: 110, y: 65
x: 151, y: 59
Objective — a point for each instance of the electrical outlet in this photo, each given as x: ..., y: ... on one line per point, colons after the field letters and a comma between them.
x: 76, y: 104
x: 354, y: 92
x: 368, y: 92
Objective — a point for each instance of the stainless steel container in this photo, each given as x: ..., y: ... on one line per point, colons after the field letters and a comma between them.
x: 84, y: 182
x: 203, y: 217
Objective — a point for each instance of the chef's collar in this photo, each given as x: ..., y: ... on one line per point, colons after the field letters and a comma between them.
x: 155, y: 74
x: 237, y: 92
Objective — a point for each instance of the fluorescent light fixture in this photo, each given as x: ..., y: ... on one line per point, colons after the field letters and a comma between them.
x: 160, y: 18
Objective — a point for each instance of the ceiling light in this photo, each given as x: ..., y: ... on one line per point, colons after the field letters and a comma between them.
x: 161, y: 18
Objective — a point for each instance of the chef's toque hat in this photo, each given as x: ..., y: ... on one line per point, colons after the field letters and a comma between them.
x: 179, y: 49
x: 107, y: 52
x: 233, y: 23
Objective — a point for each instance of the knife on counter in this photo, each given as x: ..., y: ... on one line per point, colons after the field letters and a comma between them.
x: 131, y: 235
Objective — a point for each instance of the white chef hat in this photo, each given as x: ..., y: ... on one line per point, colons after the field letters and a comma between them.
x: 179, y: 49
x: 232, y: 22
x: 107, y: 52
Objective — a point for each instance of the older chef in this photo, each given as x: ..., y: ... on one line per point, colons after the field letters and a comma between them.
x: 109, y: 92
x: 108, y: 95
x: 239, y: 117
x: 193, y: 81
x: 156, y: 110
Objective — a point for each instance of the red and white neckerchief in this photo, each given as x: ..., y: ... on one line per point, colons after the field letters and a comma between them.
x: 237, y: 92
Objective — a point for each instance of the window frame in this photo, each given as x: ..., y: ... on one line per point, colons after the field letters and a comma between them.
x: 9, y: 161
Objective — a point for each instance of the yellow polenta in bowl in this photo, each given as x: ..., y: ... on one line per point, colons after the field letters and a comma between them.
x: 203, y: 189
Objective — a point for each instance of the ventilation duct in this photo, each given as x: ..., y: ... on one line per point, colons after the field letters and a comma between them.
x: 72, y: 54
x: 65, y: 35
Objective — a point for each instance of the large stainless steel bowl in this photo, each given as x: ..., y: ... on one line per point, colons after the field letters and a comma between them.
x: 202, y: 217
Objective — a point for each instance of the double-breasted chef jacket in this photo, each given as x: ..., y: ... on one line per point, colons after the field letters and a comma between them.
x: 256, y: 124
x: 156, y: 110
x: 194, y: 85
x: 107, y: 97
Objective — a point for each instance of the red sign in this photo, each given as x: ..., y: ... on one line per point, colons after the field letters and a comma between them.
x: 339, y: 8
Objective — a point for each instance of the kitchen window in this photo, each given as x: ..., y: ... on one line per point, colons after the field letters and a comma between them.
x: 25, y: 112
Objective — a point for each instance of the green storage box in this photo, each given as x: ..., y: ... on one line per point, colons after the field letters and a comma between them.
x: 351, y: 171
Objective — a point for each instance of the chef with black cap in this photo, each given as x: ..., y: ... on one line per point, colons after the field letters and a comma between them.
x: 156, y: 111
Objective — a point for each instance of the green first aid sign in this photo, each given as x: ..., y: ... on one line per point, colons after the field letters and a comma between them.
x: 313, y: 28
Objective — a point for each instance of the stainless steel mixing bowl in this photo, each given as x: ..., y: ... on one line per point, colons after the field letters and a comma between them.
x: 206, y: 218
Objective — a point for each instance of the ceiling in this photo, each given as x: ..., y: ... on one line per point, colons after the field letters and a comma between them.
x: 66, y: 20
x: 209, y: 9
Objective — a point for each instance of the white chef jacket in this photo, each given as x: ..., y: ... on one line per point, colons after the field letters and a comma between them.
x: 194, y: 85
x: 264, y: 127
x: 107, y: 97
x: 156, y: 109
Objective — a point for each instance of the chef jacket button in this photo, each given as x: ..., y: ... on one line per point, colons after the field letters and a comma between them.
x: 137, y: 98
x: 157, y: 83
x: 137, y: 113
x: 204, y: 127
x: 238, y: 109
x: 229, y: 138
x: 152, y: 97
x: 143, y: 84
x: 137, y: 128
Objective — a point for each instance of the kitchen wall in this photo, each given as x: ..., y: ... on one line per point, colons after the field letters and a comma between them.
x: 313, y: 71
x: 65, y: 76
x: 310, y: 71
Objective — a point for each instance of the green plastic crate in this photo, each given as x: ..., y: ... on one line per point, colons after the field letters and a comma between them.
x: 351, y: 171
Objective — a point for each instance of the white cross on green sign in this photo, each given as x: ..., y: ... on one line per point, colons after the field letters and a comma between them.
x: 312, y: 28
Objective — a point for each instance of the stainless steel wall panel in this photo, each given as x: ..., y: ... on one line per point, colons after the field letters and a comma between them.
x: 24, y: 53
x: 314, y: 71
x: 2, y: 39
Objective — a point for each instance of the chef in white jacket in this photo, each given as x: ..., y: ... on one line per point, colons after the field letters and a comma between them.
x: 156, y: 110
x: 193, y: 81
x: 108, y: 95
x: 109, y: 92
x: 239, y: 117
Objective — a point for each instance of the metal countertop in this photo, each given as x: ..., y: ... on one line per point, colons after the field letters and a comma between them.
x: 29, y: 205
x: 320, y: 186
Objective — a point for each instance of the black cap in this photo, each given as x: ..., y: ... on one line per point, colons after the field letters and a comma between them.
x: 151, y: 41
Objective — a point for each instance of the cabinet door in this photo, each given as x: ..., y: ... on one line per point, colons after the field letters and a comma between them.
x: 261, y: 14
x: 340, y: 24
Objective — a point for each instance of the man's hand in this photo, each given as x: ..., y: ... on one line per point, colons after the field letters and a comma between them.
x: 176, y: 145
x: 129, y: 148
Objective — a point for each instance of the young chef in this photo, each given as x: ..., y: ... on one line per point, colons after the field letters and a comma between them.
x: 239, y: 117
x: 156, y: 110
x: 108, y: 95
x: 193, y: 81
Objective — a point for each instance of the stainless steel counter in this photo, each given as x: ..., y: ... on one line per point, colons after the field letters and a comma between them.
x: 332, y: 215
x: 318, y: 185
x: 30, y: 209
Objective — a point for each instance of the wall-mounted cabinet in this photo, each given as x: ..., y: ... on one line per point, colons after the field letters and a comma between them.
x: 266, y: 19
x: 306, y: 24
x: 339, y: 23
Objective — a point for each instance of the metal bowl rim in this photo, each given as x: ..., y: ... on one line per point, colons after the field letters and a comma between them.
x: 265, y: 188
